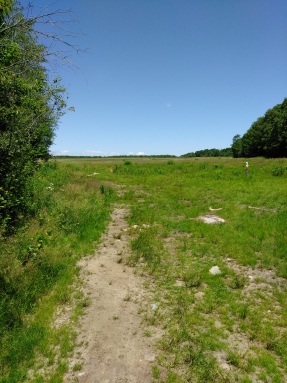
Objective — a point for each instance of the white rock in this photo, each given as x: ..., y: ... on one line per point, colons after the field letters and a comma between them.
x: 149, y: 357
x: 210, y: 219
x: 215, y: 270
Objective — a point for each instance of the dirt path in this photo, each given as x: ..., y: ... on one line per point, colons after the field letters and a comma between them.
x: 112, y: 345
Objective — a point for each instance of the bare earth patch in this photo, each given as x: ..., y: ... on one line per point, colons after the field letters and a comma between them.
x: 112, y: 347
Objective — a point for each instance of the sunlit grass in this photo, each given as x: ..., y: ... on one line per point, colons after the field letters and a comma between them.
x: 217, y: 328
x: 38, y: 273
x: 204, y: 315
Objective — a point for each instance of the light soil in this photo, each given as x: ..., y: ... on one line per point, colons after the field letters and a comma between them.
x: 112, y: 345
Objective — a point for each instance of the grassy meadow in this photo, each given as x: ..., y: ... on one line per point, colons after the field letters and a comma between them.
x: 230, y: 327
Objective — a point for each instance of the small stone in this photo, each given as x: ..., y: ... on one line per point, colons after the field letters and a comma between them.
x: 149, y: 357
x: 215, y: 270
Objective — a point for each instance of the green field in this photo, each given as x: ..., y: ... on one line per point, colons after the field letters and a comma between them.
x: 230, y: 327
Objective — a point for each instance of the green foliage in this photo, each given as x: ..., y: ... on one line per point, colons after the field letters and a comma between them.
x: 5, y: 8
x: 29, y: 110
x: 210, y: 153
x: 278, y: 171
x: 38, y: 266
x: 236, y: 146
x: 268, y: 135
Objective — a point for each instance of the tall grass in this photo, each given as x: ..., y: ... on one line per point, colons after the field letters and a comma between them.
x: 38, y: 268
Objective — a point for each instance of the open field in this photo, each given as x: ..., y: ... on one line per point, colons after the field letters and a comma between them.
x: 229, y: 327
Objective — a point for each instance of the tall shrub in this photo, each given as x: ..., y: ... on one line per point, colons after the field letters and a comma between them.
x: 30, y: 107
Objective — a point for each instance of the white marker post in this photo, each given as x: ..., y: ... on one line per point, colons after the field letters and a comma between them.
x: 246, y: 168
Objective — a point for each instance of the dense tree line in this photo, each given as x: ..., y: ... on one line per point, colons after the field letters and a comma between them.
x: 30, y: 106
x: 227, y: 152
x: 266, y: 137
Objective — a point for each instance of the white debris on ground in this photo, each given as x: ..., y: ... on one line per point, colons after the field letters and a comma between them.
x: 93, y: 174
x: 215, y: 270
x: 144, y: 226
x: 210, y: 219
x: 211, y: 209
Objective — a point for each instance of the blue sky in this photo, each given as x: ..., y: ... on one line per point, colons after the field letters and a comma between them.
x: 170, y: 76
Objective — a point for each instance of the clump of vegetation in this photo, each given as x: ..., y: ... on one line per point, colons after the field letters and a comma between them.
x: 266, y: 137
x: 30, y: 108
x: 278, y: 171
x: 38, y: 268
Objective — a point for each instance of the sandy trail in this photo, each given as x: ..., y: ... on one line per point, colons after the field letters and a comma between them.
x: 112, y: 345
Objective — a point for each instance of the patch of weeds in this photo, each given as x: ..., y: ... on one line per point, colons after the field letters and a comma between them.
x: 243, y: 311
x: 233, y: 358
x: 77, y: 367
x: 127, y: 298
x: 245, y: 379
x: 155, y: 372
x: 85, y: 302
x: 278, y: 171
x: 173, y: 378
x: 237, y: 282
x: 192, y: 279
x: 148, y: 333
x: 147, y: 247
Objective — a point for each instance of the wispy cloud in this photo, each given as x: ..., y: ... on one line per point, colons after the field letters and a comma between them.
x: 86, y: 152
x: 136, y: 154
x: 61, y: 153
x: 167, y: 105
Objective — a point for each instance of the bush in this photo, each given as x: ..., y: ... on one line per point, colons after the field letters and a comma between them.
x: 278, y: 171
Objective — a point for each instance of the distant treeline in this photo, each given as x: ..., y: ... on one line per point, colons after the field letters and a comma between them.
x: 227, y: 152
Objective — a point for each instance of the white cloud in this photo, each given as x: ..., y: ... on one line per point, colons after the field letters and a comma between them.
x: 136, y: 154
x: 61, y: 153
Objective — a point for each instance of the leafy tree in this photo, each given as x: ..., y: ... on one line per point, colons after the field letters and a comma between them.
x: 268, y: 135
x: 237, y: 146
x: 30, y: 107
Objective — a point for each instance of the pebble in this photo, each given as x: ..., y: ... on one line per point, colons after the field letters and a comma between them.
x: 215, y: 270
